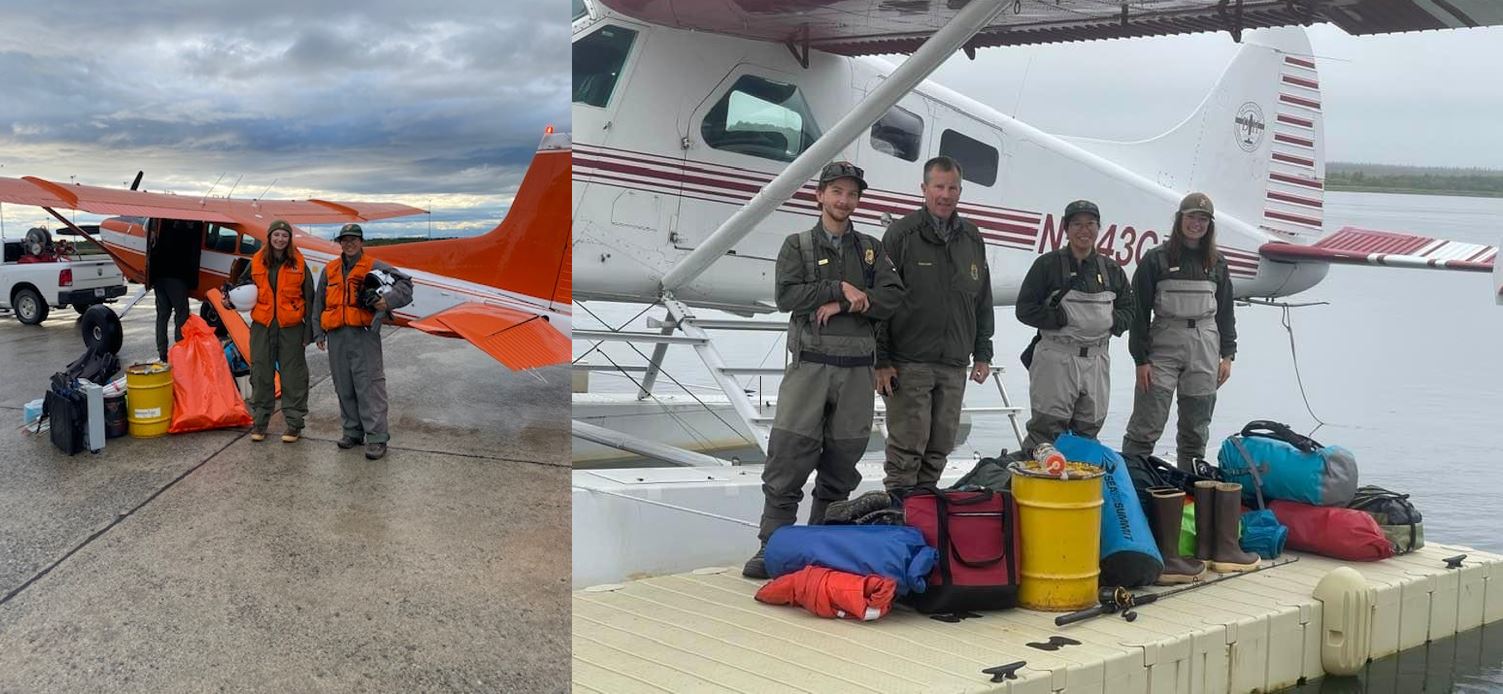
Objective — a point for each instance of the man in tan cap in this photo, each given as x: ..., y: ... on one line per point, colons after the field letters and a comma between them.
x: 346, y: 313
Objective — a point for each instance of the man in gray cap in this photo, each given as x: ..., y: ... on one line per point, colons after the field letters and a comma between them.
x: 836, y: 283
x: 1078, y: 299
x: 346, y: 310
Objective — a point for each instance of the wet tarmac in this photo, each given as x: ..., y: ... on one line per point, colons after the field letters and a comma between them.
x: 206, y: 562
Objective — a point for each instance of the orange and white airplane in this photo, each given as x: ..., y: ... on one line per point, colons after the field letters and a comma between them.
x: 507, y: 291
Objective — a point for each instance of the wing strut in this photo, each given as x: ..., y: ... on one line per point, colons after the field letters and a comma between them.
x: 975, y: 15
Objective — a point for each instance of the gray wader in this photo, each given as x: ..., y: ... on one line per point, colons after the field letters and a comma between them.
x: 1069, y: 382
x: 923, y: 419
x: 823, y: 423
x: 360, y: 381
x: 277, y: 349
x: 171, y: 296
x: 1184, y: 354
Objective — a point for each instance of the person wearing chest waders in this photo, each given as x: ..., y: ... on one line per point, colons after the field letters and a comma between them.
x: 1184, y: 335
x: 837, y: 284
x: 349, y: 328
x: 281, y: 328
x: 1078, y: 299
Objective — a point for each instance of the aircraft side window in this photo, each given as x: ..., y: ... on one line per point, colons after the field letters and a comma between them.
x: 249, y: 244
x: 597, y: 64
x: 211, y: 239
x: 580, y: 10
x: 761, y: 118
x: 978, y: 160
x: 899, y: 133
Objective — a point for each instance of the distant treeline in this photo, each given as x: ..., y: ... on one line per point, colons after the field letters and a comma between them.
x: 1423, y: 180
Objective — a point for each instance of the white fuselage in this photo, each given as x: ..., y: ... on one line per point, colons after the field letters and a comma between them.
x: 650, y: 185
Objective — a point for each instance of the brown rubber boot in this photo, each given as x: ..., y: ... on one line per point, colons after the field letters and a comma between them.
x: 1205, y: 526
x: 1227, y: 556
x: 1168, y: 509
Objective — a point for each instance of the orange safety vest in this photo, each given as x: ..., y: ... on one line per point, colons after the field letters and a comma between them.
x: 287, y: 306
x: 342, y: 295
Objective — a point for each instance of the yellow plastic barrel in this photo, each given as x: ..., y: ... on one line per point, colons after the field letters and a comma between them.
x: 1061, y: 524
x: 148, y: 399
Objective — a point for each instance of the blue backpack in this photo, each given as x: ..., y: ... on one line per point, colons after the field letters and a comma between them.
x: 1285, y: 465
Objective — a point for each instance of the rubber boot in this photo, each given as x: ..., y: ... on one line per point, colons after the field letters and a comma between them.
x: 1168, y: 509
x: 756, y: 567
x: 1227, y: 556
x: 817, y: 511
x: 1205, y: 527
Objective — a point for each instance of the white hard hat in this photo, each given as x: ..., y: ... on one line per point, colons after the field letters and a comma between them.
x: 243, y: 297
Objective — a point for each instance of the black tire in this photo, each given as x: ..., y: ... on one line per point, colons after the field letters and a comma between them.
x: 210, y: 316
x: 100, y: 324
x: 81, y: 308
x: 29, y: 306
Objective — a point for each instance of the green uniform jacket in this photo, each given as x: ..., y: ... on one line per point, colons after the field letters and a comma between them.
x: 1154, y: 267
x: 858, y: 258
x: 946, y: 316
x: 1045, y: 282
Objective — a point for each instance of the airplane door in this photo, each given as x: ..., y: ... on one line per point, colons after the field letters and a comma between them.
x: 635, y: 193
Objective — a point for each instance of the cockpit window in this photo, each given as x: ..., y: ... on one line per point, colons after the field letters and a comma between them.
x: 597, y: 64
x: 899, y: 132
x: 580, y: 10
x: 761, y: 118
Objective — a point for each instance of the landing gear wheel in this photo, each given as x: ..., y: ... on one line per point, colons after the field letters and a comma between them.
x: 100, y: 325
x: 30, y: 308
x: 206, y: 311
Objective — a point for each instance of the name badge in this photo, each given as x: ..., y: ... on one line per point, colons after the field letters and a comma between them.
x: 824, y: 261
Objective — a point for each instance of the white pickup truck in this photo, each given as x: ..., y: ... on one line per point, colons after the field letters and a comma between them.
x: 31, y: 283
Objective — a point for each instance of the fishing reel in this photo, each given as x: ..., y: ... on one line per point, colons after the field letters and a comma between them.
x: 1115, y: 599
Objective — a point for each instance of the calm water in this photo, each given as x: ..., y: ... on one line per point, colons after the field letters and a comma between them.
x: 1402, y: 366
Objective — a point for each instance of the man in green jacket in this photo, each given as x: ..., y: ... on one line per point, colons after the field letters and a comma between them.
x: 837, y: 284
x: 1078, y: 299
x: 925, y: 351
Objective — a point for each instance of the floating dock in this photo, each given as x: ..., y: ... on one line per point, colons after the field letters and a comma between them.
x: 703, y: 632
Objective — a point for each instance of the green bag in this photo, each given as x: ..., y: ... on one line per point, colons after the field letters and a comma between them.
x: 1399, y: 520
x: 1187, y: 531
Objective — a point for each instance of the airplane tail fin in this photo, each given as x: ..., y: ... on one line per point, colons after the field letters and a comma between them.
x: 1255, y: 144
x: 528, y: 252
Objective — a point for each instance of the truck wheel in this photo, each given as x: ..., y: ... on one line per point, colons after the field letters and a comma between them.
x: 100, y: 325
x: 81, y: 308
x: 30, y: 308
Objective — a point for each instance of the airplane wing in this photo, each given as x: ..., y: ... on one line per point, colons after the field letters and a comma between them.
x: 1354, y: 246
x: 519, y: 340
x: 872, y: 27
x: 31, y: 190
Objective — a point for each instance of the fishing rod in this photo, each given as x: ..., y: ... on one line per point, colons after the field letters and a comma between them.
x: 1117, y: 599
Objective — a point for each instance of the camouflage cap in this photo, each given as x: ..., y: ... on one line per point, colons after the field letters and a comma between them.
x: 351, y: 230
x: 843, y: 169
x: 1080, y: 206
x: 279, y: 225
x: 1197, y: 202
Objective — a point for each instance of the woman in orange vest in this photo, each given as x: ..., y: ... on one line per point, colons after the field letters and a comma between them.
x: 281, y: 328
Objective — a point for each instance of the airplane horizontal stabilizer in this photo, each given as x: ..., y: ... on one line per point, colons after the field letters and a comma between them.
x: 1354, y: 246
x: 519, y: 340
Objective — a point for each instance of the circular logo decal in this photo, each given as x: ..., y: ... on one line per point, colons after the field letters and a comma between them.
x: 1249, y: 126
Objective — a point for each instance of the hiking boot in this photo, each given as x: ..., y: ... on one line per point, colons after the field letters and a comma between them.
x: 848, y: 511
x: 756, y: 567
x: 375, y: 451
x: 258, y: 435
x: 347, y: 443
x: 817, y: 511
x: 292, y: 435
x: 1167, y: 510
x: 1227, y: 555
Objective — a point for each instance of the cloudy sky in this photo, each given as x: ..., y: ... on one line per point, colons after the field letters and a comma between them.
x: 396, y: 101
x: 1430, y: 98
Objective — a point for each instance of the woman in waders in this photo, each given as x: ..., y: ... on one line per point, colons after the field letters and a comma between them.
x: 279, y: 333
x: 1183, y: 339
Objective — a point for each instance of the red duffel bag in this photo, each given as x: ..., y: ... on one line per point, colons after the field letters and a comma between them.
x: 976, y: 535
x: 1331, y: 531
